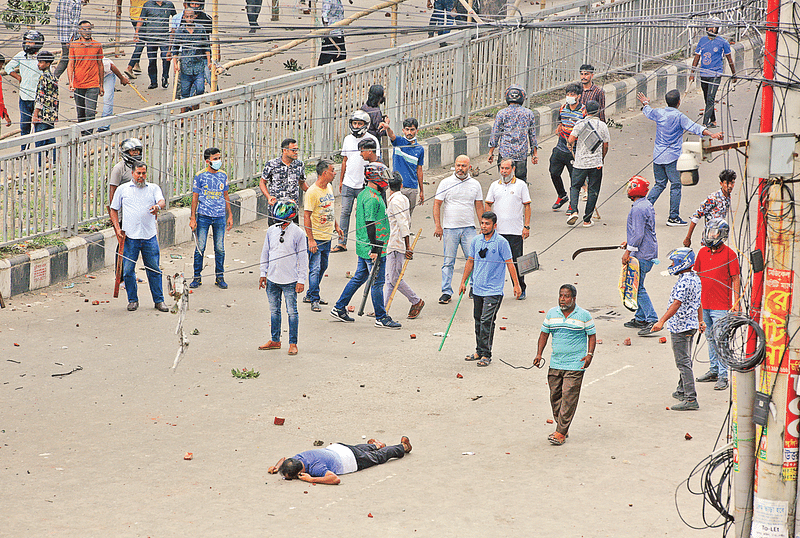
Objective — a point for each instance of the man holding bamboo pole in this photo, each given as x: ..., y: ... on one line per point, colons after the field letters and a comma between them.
x: 399, y: 248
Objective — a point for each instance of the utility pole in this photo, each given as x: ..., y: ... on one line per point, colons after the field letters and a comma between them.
x: 775, y: 484
x: 215, y: 54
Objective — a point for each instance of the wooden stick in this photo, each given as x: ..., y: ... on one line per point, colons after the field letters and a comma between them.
x: 2, y: 302
x: 215, y: 52
x: 9, y: 134
x: 175, y: 74
x: 310, y: 35
x: 393, y: 39
x: 137, y: 91
x: 471, y: 12
x: 400, y: 278
x: 119, y: 18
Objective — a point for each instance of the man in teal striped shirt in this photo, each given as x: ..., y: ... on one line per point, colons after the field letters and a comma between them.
x: 573, y: 346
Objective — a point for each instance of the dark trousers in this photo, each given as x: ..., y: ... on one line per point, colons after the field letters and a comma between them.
x: 484, y: 311
x: 565, y: 390
x: 63, y: 62
x: 558, y: 160
x: 682, y: 350
x: 515, y: 241
x: 86, y: 105
x: 333, y: 50
x: 25, y: 118
x: 137, y: 53
x: 253, y: 11
x: 370, y: 455
x: 152, y: 56
x: 710, y: 85
x: 520, y: 168
x: 579, y: 177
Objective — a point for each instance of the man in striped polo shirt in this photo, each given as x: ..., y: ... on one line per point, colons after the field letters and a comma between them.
x: 568, y: 115
x: 574, y: 341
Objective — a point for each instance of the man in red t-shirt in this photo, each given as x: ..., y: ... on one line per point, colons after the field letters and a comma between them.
x: 718, y: 268
x: 85, y: 72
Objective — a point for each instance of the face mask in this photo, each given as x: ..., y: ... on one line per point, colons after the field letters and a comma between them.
x: 216, y: 165
x: 571, y: 100
x: 411, y: 140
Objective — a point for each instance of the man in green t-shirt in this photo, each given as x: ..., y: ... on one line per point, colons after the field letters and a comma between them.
x: 372, y: 234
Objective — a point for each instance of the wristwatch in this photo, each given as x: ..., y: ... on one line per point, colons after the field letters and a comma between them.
x: 527, y: 227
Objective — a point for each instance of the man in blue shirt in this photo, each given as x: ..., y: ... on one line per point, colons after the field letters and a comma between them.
x: 574, y: 340
x: 409, y: 158
x: 324, y: 465
x: 709, y: 53
x: 641, y: 243
x: 210, y: 204
x: 670, y: 126
x: 489, y: 255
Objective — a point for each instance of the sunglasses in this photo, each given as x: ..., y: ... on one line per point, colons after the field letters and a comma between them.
x: 281, y: 238
x: 482, y: 252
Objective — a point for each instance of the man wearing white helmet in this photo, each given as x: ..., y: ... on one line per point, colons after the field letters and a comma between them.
x: 351, y: 178
x: 718, y: 268
x: 131, y: 151
x: 709, y: 53
x: 514, y: 133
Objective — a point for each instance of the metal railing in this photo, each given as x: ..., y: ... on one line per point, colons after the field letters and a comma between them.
x: 64, y: 186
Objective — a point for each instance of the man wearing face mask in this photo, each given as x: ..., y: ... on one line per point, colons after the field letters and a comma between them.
x: 709, y: 54
x: 141, y: 201
x: 210, y: 204
x: 460, y: 195
x: 513, y: 212
x: 85, y: 72
x: 569, y: 114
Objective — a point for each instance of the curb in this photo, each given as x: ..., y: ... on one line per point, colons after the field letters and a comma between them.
x: 87, y: 253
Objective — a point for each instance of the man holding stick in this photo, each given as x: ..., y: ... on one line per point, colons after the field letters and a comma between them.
x: 372, y: 232
x: 488, y: 253
x: 399, y: 250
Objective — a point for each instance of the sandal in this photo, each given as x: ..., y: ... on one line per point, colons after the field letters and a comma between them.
x: 485, y: 361
x: 472, y: 357
x: 557, y: 439
x: 339, y: 248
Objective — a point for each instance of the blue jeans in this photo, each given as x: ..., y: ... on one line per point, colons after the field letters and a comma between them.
x: 217, y: 225
x: 317, y: 264
x: 39, y: 127
x: 441, y: 15
x: 663, y: 173
x: 349, y: 196
x: 150, y: 256
x: 192, y: 85
x: 645, y: 312
x: 361, y: 276
x: 453, y: 237
x: 25, y: 116
x: 715, y: 365
x: 274, y: 292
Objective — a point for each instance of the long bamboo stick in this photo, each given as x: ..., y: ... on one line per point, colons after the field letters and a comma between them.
x: 400, y: 278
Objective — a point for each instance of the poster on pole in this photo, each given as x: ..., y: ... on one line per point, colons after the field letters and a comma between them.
x: 769, y: 519
x: 777, y: 304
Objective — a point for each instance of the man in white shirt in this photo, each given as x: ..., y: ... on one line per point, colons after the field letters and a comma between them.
x: 459, y: 195
x: 141, y: 202
x: 589, y: 143
x: 351, y: 178
x: 399, y: 212
x: 510, y: 200
x: 284, y: 270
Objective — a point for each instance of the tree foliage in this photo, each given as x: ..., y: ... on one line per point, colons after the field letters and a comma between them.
x: 25, y: 12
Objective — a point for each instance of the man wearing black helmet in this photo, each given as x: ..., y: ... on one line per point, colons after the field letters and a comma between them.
x: 24, y: 68
x: 514, y: 133
x: 351, y: 178
x: 372, y: 235
x: 131, y: 151
x: 718, y: 268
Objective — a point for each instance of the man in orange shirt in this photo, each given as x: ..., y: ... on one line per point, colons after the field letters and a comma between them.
x: 85, y: 72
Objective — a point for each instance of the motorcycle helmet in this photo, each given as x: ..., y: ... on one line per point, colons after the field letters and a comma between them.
x: 378, y: 174
x: 682, y: 259
x: 36, y: 37
x: 716, y: 232
x: 129, y: 145
x: 638, y: 187
x: 284, y: 209
x: 359, y: 115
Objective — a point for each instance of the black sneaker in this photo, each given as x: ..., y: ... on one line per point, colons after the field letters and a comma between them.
x: 195, y: 283
x: 387, y: 323
x: 676, y: 222
x: 635, y: 324
x: 341, y: 315
x: 560, y: 201
x: 707, y: 377
x: 164, y: 82
x: 444, y: 299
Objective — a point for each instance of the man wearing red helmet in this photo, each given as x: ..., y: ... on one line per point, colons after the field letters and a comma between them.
x: 372, y: 235
x: 641, y: 244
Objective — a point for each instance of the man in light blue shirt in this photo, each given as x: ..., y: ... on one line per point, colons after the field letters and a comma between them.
x: 489, y: 256
x: 670, y: 126
x: 574, y: 340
